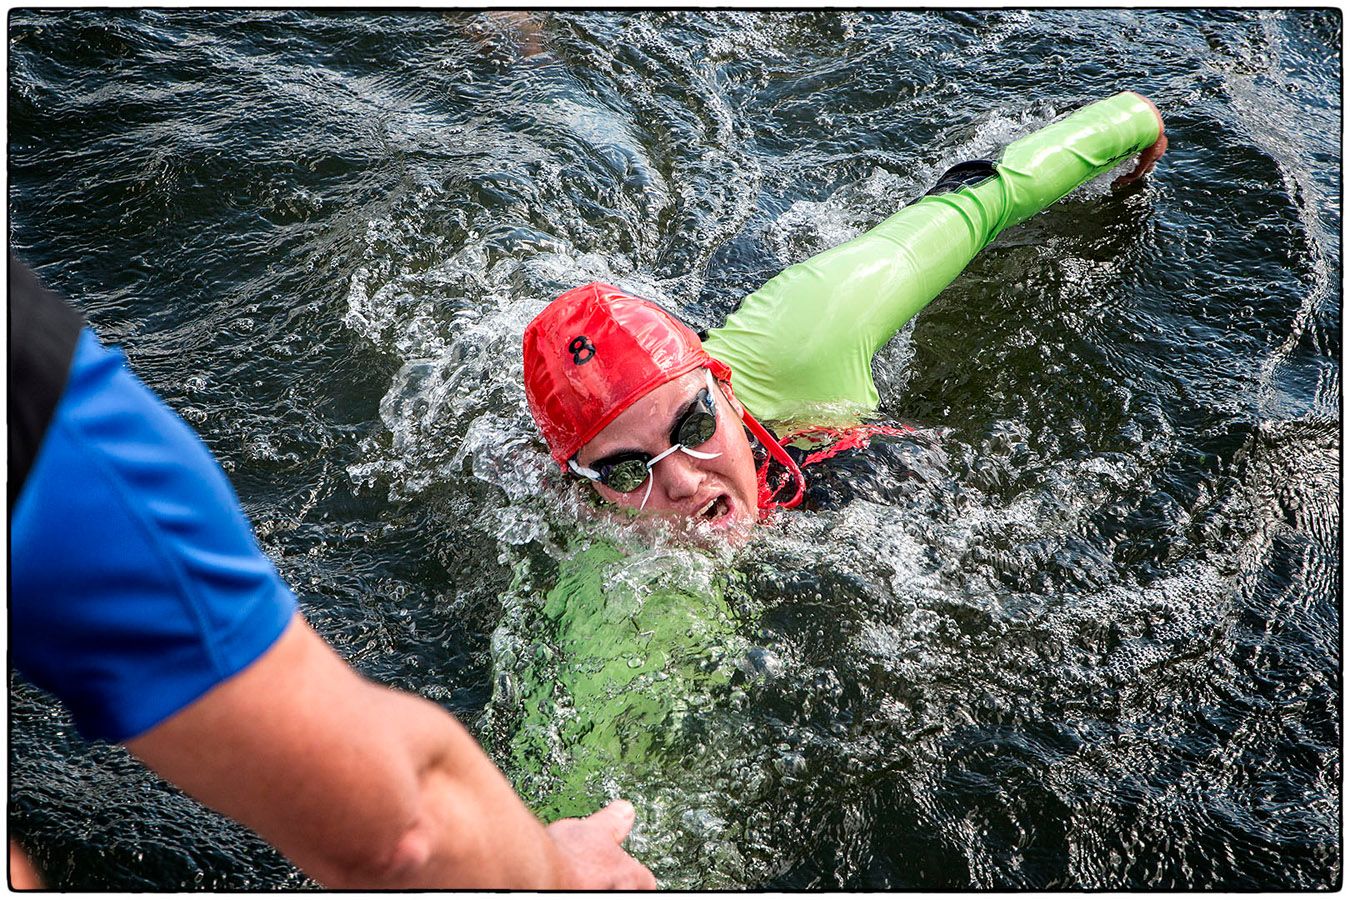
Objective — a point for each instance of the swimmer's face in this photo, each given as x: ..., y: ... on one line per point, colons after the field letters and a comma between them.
x: 719, y: 493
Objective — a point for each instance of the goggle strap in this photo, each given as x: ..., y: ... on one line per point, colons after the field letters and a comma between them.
x: 662, y: 455
x: 776, y: 450
x: 583, y: 471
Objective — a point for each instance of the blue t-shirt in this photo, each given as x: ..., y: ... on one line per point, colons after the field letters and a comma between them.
x: 136, y: 583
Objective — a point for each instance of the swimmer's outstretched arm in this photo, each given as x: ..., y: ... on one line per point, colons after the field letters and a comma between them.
x: 805, y: 340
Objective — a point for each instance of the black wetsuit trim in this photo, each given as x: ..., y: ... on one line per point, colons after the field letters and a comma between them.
x: 43, y: 333
x: 964, y: 174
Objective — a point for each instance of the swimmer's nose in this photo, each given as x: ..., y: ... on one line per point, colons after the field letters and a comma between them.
x: 680, y: 475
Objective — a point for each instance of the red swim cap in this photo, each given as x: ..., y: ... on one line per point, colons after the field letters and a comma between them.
x: 595, y: 351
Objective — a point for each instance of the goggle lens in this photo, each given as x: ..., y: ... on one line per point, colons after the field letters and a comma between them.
x: 697, y: 427
x: 626, y: 474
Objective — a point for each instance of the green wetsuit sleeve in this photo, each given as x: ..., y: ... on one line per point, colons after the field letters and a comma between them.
x: 802, y: 345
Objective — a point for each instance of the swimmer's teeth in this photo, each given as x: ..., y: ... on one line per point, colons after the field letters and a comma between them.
x: 716, y: 508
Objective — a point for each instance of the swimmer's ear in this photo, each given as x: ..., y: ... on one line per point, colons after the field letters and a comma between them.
x: 731, y: 397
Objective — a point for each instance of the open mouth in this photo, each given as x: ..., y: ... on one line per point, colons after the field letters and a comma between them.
x: 718, y: 507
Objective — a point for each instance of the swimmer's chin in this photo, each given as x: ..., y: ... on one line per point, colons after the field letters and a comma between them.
x: 730, y: 529
x: 733, y: 528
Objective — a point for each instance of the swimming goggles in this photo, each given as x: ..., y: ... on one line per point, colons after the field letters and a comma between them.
x: 625, y: 472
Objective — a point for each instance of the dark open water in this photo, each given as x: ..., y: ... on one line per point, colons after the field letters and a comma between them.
x: 1105, y: 653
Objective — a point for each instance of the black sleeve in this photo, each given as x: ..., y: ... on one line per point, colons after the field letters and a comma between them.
x: 43, y: 332
x: 970, y: 172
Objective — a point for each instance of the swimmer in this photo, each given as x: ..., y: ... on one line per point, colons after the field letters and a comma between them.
x: 630, y: 399
x: 638, y: 408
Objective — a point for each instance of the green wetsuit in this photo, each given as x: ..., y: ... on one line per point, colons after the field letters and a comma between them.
x: 804, y: 342
x: 624, y: 660
x: 616, y: 671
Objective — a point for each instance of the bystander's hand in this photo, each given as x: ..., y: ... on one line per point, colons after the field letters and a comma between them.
x: 592, y: 849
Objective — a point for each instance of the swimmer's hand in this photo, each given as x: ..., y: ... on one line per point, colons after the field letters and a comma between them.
x: 591, y: 847
x: 1149, y: 156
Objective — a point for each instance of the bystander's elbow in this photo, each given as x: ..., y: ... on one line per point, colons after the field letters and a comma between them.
x: 401, y: 862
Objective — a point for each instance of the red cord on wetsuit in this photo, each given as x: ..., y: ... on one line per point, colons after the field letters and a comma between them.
x: 858, y: 437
